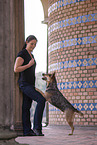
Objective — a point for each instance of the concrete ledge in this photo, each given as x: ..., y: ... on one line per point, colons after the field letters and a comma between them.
x: 6, y: 134
x: 58, y: 135
x: 9, y: 142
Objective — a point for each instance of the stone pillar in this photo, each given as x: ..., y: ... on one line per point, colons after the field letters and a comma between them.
x: 11, y: 41
x: 19, y: 42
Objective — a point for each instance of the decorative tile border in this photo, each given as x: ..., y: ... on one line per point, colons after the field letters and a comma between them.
x: 77, y: 85
x: 73, y: 63
x: 61, y: 3
x: 72, y: 42
x: 72, y: 21
x: 79, y: 106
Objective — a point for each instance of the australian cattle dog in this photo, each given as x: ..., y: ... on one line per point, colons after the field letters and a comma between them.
x: 55, y: 97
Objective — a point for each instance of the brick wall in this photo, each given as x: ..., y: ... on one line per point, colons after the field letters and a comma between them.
x: 72, y: 54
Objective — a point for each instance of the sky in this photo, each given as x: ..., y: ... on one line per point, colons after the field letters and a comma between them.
x: 34, y: 16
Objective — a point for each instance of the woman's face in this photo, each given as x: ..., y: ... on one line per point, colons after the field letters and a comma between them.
x: 31, y: 45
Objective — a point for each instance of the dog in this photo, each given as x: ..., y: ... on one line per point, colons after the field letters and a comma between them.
x: 56, y: 98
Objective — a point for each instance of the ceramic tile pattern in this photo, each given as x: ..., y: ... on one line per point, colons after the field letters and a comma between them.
x: 73, y: 63
x: 61, y: 3
x: 72, y: 21
x: 72, y: 42
x: 79, y: 106
x: 77, y: 84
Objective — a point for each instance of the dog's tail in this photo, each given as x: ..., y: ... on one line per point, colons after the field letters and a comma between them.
x: 79, y: 112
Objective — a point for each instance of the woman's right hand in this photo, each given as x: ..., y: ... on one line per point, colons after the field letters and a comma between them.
x: 18, y: 67
x: 31, y: 62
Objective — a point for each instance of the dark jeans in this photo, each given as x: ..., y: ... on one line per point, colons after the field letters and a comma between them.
x: 30, y: 94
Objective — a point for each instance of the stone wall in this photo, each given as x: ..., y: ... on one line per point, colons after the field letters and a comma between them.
x: 72, y: 54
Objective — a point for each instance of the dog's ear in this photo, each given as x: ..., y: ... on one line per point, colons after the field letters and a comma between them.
x: 53, y: 75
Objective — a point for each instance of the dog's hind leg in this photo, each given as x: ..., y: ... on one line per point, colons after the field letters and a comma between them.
x: 72, y: 128
x: 69, y: 114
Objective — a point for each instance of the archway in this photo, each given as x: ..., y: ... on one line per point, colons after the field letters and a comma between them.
x: 33, y: 22
x: 18, y: 27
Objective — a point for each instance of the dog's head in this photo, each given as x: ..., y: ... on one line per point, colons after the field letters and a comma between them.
x: 48, y: 77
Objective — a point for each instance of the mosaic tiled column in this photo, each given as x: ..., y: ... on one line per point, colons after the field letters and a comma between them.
x: 72, y: 54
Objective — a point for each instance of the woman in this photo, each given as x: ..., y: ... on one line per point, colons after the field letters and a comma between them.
x: 25, y: 64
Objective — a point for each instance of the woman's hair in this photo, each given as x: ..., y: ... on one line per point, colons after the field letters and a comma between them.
x: 28, y: 39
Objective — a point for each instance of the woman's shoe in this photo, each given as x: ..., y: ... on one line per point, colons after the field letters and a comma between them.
x: 38, y: 132
x: 31, y: 133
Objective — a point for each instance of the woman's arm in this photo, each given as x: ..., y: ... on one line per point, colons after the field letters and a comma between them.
x: 18, y: 64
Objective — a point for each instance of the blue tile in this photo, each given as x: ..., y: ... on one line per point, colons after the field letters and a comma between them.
x: 65, y: 64
x: 95, y: 17
x: 78, y: 106
x: 64, y: 4
x: 61, y: 65
x: 79, y: 19
x: 79, y: 41
x: 95, y: 39
x: 84, y: 19
x: 76, y: 85
x: 85, y: 40
x: 67, y: 20
x: 90, y: 39
x: 73, y: 21
x: 91, y: 17
x: 76, y: 41
x: 59, y: 4
x: 86, y: 106
x: 95, y: 61
x: 80, y: 0
x: 70, y: 2
x: 75, y: 63
x: 60, y: 25
x: 74, y: 1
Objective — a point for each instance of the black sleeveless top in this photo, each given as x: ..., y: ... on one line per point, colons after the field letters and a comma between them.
x: 27, y: 75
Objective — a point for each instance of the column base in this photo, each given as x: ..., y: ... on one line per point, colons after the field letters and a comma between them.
x: 19, y: 128
x: 6, y: 134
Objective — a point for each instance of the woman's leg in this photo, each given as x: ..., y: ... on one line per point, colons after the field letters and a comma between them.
x: 26, y: 114
x: 36, y: 96
x: 38, y: 115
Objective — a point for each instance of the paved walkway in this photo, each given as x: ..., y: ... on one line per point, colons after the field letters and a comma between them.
x: 58, y: 135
